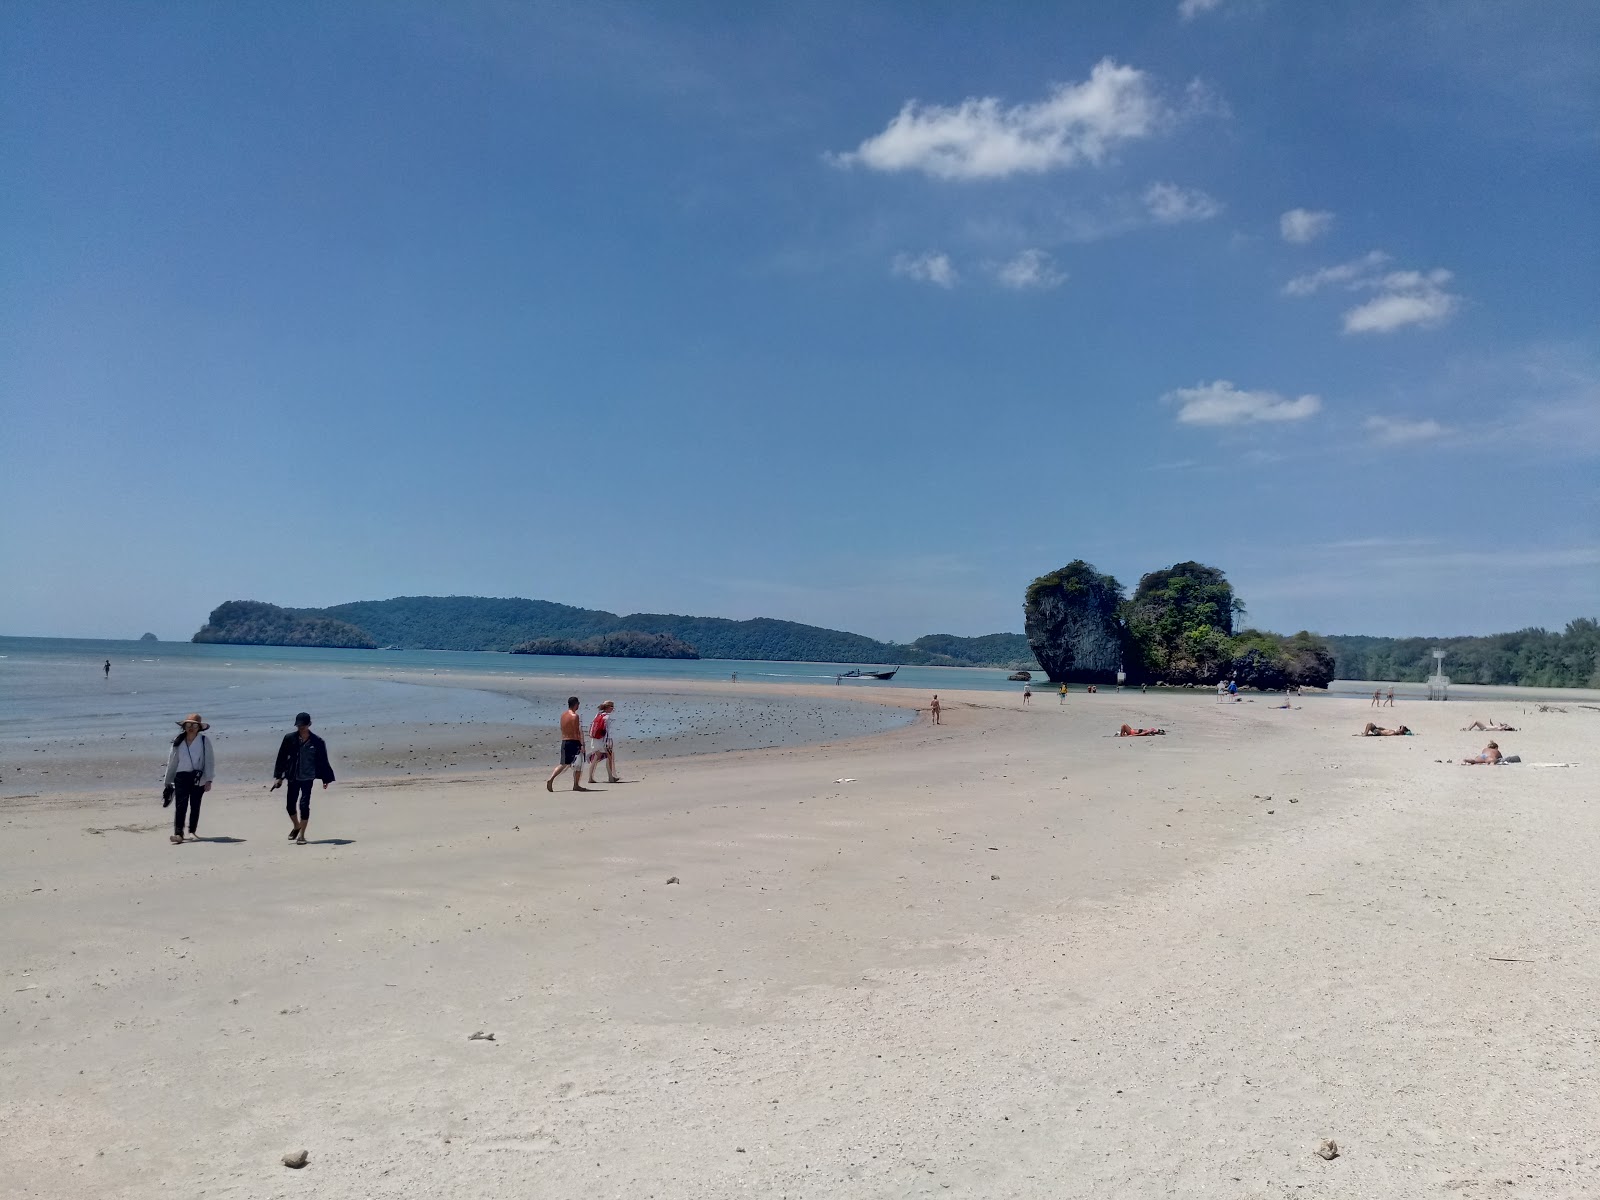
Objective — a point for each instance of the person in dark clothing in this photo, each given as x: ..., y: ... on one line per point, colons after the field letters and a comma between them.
x: 302, y: 760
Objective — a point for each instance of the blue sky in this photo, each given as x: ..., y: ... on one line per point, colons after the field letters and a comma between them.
x: 861, y: 315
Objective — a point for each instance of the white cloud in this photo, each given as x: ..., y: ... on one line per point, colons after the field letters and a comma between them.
x: 1393, y: 431
x: 1031, y: 269
x: 1220, y: 403
x: 1170, y: 204
x: 1301, y: 225
x: 1075, y: 123
x: 931, y: 267
x: 1190, y: 9
x: 1350, y: 273
x: 1404, y: 298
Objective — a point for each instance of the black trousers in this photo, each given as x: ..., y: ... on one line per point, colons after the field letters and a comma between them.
x: 300, y: 790
x: 186, y: 801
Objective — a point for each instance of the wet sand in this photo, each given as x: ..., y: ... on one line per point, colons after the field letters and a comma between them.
x: 1011, y: 955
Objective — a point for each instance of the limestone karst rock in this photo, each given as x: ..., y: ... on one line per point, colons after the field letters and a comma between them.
x: 1072, y: 624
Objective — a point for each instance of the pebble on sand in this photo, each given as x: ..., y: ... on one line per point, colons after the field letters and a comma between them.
x: 480, y: 1036
x: 297, y: 1160
x: 673, y: 879
x: 1328, y: 1150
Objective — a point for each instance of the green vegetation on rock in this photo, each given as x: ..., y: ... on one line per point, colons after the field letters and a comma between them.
x: 1073, y: 623
x: 1177, y: 629
x: 253, y: 623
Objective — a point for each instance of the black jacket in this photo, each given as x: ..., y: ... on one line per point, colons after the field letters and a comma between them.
x: 289, y: 755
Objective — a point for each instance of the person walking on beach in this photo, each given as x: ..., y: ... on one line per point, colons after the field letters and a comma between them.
x: 571, y: 748
x: 191, y: 766
x: 302, y: 760
x: 935, y: 710
x: 1377, y: 698
x: 1027, y: 692
x: 604, y: 747
x: 1063, y: 699
x: 108, y: 668
x: 1390, y: 703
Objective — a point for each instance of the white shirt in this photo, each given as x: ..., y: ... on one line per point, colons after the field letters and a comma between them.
x: 192, y: 755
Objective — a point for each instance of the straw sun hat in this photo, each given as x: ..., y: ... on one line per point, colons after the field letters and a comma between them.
x: 195, y: 717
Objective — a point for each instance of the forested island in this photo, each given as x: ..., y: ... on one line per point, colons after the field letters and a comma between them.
x: 1178, y: 628
x: 626, y: 643
x: 254, y: 623
x: 484, y: 623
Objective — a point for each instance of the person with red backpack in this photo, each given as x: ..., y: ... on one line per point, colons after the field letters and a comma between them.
x: 603, y: 746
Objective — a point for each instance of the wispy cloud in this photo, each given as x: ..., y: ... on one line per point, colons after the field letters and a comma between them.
x: 1301, y: 225
x: 1190, y: 9
x: 1403, y: 298
x: 1220, y: 403
x: 1343, y: 274
x: 1170, y: 204
x: 1030, y: 270
x: 981, y: 138
x: 1394, y: 431
x: 933, y: 266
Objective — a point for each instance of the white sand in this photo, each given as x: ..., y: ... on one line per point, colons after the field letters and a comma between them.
x: 1175, y: 987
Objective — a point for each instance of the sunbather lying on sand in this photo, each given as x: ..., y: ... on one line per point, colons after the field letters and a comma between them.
x: 1492, y: 726
x: 1130, y: 731
x: 1379, y: 731
x: 1489, y: 757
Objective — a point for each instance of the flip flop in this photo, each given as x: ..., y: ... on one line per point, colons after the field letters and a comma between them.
x: 293, y: 833
x: 301, y: 840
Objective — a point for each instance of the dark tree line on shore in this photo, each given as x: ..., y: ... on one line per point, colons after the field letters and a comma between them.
x: 1526, y: 658
x: 625, y: 643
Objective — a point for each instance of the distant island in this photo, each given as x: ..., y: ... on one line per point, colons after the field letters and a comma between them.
x: 485, y: 623
x: 149, y: 637
x: 626, y: 643
x: 254, y: 623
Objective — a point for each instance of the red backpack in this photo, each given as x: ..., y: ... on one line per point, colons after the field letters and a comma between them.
x: 597, y: 730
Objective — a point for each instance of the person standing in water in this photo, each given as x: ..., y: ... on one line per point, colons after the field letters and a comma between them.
x: 302, y: 760
x: 571, y: 748
x: 604, y: 747
x: 108, y: 668
x: 935, y: 710
x: 191, y: 766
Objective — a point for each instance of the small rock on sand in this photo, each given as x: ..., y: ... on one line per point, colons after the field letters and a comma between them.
x: 481, y: 1036
x: 673, y: 879
x: 1328, y: 1150
x: 297, y: 1160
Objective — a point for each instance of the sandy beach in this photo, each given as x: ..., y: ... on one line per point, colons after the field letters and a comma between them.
x: 1006, y: 956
